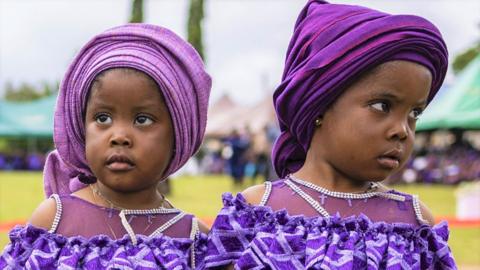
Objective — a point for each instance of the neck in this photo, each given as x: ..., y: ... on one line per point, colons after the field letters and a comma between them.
x: 318, y: 171
x: 143, y: 199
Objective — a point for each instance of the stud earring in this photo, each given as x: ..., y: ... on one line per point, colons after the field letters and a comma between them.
x: 318, y: 121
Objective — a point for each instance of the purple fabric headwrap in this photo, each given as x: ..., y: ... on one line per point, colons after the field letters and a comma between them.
x: 332, y: 45
x: 170, y: 61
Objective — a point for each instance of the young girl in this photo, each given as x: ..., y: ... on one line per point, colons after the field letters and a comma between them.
x: 355, y: 82
x: 130, y: 112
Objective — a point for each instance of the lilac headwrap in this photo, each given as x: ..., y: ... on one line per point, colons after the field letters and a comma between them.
x: 332, y: 45
x: 170, y: 61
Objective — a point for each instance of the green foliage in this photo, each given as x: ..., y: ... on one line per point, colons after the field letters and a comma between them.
x: 194, y: 27
x: 3, y: 144
x: 462, y: 60
x: 26, y: 92
x: 137, y: 11
x: 12, y: 145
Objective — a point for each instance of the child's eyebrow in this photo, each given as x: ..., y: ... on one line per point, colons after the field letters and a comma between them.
x: 422, y: 102
x: 384, y: 95
x: 391, y: 96
x: 146, y: 106
x: 100, y: 104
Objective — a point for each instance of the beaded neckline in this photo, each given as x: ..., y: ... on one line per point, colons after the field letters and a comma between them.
x: 370, y: 193
x: 160, y: 210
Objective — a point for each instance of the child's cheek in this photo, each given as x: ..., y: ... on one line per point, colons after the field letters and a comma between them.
x: 92, y: 141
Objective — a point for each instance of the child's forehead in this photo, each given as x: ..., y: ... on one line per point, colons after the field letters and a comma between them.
x: 396, y: 81
x: 395, y: 69
x: 133, y: 90
x: 109, y: 99
x: 118, y: 78
x: 120, y: 72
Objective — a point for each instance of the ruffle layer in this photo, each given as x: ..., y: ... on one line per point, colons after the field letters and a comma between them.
x: 36, y: 248
x: 256, y: 237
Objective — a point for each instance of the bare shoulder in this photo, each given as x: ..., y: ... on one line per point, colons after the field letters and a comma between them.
x: 427, y: 214
x: 254, y: 194
x: 43, y: 216
x: 203, y: 227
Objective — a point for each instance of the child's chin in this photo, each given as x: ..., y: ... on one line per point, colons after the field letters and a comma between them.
x: 380, y: 176
x: 121, y: 183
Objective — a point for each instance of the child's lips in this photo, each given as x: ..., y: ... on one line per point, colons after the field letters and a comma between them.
x: 388, y: 162
x: 391, y: 159
x: 119, y: 162
x: 119, y: 166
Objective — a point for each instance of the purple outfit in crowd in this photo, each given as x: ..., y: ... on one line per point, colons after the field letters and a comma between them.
x: 84, y: 235
x: 301, y: 226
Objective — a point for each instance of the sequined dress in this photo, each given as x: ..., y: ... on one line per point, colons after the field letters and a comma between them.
x: 292, y: 228
x: 86, y: 236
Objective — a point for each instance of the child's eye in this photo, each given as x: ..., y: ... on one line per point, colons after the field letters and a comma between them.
x: 103, y: 118
x: 415, y: 114
x: 381, y: 106
x: 143, y: 120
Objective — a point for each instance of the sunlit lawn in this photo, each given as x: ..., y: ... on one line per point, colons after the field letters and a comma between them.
x: 201, y: 195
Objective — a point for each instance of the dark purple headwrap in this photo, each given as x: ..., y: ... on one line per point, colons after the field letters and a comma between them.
x: 332, y: 45
x: 170, y: 61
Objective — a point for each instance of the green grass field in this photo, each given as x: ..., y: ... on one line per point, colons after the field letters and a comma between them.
x: 200, y: 195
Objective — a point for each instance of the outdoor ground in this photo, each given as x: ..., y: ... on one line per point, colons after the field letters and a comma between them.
x: 21, y: 192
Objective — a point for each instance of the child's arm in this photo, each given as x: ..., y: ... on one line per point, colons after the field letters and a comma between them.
x: 203, y: 227
x: 427, y: 214
x: 254, y: 194
x: 43, y: 216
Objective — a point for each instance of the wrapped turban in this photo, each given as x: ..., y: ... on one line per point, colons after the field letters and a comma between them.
x: 170, y: 61
x: 332, y: 45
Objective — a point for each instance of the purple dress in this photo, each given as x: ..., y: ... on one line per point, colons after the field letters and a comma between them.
x: 292, y: 229
x: 87, y: 236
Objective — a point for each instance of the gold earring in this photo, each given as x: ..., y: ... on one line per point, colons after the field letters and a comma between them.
x: 318, y: 122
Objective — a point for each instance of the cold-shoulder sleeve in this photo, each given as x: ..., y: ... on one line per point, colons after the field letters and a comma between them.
x: 255, y: 237
x: 36, y: 248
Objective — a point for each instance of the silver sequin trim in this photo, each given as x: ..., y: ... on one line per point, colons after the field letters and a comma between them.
x: 58, y: 213
x: 266, y: 194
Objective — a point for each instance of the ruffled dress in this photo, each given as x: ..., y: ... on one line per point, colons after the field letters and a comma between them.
x: 292, y: 229
x: 87, y: 236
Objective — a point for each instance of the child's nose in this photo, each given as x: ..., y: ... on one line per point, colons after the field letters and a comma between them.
x: 400, y: 130
x: 120, y: 139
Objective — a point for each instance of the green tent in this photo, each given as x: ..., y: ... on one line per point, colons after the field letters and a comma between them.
x: 459, y: 108
x: 27, y: 119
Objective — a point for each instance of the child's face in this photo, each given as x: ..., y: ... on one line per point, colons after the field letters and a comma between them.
x: 129, y: 134
x: 368, y: 133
